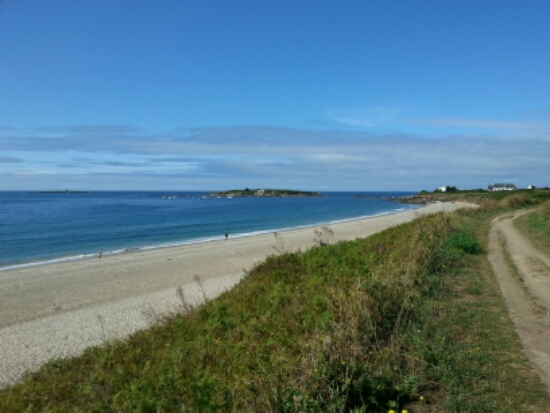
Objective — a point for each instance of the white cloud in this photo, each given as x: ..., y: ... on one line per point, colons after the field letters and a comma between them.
x: 35, y: 173
x: 373, y: 117
x: 405, y: 119
x: 217, y: 158
x: 486, y: 124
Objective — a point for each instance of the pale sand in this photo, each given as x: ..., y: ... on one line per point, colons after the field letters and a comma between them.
x: 59, y: 310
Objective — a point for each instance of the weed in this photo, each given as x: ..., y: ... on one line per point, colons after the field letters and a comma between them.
x: 151, y: 315
x: 280, y: 247
x: 198, y: 280
x: 185, y: 305
x: 323, y: 236
x: 101, y: 321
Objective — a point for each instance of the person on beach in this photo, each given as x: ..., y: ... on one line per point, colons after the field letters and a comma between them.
x: 226, y: 236
x: 100, y: 253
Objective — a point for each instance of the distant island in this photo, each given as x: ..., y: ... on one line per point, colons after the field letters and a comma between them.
x: 66, y: 191
x: 266, y: 193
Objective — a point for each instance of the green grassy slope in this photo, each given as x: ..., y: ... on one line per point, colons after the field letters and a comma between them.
x: 536, y: 226
x: 479, y: 196
x: 411, y: 318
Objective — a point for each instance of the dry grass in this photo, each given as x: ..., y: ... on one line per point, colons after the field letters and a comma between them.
x: 545, y: 208
x: 517, y: 201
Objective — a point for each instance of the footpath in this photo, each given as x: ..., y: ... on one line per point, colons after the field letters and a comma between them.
x: 523, y: 273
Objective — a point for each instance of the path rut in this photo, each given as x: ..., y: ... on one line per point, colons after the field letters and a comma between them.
x: 528, y: 298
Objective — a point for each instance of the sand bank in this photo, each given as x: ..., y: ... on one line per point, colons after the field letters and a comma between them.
x: 58, y: 310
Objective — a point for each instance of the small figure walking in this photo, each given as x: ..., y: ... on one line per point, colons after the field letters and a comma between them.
x: 226, y: 236
x: 100, y: 253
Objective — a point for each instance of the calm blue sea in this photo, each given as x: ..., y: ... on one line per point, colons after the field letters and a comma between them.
x: 41, y: 228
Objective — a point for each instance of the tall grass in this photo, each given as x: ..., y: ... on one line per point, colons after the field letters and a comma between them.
x: 518, y: 201
x: 544, y: 209
x: 355, y: 326
x: 537, y: 225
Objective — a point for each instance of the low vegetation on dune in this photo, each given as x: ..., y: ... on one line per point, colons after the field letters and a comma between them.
x: 516, y: 198
x: 537, y: 225
x: 408, y: 319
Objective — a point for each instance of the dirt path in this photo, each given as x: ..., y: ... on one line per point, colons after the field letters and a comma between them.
x: 526, y: 288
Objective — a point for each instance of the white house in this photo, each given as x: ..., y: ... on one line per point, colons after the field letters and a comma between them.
x: 502, y: 187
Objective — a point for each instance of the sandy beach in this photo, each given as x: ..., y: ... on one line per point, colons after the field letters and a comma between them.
x: 58, y: 310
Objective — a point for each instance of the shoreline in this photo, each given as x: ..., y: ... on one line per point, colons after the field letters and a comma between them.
x: 130, y: 250
x: 59, y: 310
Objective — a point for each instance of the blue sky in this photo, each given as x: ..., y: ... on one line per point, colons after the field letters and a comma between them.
x: 320, y: 95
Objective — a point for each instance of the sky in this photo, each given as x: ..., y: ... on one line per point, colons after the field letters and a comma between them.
x: 309, y: 94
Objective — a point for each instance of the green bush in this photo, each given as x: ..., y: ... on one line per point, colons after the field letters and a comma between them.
x: 464, y: 241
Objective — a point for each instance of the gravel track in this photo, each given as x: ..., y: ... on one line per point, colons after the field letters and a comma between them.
x: 528, y: 298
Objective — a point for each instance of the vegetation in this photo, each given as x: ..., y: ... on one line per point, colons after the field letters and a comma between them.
x: 447, y: 189
x: 411, y: 318
x: 537, y: 225
x: 524, y: 197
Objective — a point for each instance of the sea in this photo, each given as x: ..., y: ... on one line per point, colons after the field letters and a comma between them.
x: 45, y: 228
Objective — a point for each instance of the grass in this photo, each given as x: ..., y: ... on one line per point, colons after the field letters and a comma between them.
x: 496, y: 199
x: 536, y: 225
x: 411, y: 318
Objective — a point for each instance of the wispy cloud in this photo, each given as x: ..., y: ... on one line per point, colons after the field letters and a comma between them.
x: 35, y: 173
x: 90, y: 130
x: 489, y: 124
x: 369, y: 117
x: 405, y: 119
x: 212, y: 158
x: 7, y: 159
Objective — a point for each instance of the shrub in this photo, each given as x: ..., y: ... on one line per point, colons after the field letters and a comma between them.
x: 464, y: 241
x: 545, y: 208
x: 489, y: 205
x: 517, y: 201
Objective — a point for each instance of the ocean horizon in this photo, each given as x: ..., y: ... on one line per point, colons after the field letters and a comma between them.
x: 40, y: 228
